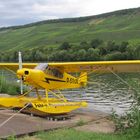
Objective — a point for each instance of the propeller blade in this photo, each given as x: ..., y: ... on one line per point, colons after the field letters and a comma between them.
x: 20, y: 67
x: 20, y: 60
x: 21, y: 87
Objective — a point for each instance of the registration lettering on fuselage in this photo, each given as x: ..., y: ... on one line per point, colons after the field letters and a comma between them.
x: 72, y: 80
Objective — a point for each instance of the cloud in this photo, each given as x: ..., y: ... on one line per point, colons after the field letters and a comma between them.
x: 16, y: 12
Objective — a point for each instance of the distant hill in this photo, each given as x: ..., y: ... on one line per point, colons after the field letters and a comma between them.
x: 123, y: 25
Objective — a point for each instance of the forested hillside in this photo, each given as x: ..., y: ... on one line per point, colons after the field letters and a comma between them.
x: 110, y: 36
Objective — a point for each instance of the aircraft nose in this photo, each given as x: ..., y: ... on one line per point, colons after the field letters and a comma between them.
x: 20, y: 73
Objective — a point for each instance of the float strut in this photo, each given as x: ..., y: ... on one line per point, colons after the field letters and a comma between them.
x: 39, y: 97
x: 47, y: 97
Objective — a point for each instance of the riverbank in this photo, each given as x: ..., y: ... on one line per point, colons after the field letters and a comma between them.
x: 22, y: 124
x: 84, y: 125
x: 72, y: 134
x: 78, y: 133
x: 100, y: 129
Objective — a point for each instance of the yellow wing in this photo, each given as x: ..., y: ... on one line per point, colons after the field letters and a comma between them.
x: 71, y: 67
x: 15, y: 66
x: 98, y: 66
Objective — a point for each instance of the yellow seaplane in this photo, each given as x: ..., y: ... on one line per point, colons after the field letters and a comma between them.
x: 57, y: 76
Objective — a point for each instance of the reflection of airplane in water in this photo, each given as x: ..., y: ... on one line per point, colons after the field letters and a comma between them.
x: 55, y: 76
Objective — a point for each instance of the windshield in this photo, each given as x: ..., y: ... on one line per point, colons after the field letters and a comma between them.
x: 42, y: 66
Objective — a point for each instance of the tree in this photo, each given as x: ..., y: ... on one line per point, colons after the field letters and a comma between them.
x: 32, y: 55
x: 62, y: 55
x: 93, y: 54
x: 136, y: 53
x: 14, y: 56
x: 84, y: 45
x: 112, y: 46
x: 81, y: 54
x: 26, y: 56
x: 123, y: 46
x: 130, y: 50
x: 95, y: 43
x: 116, y: 56
x: 103, y: 50
x: 40, y: 56
x: 65, y: 46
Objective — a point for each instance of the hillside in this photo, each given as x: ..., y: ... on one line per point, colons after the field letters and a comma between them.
x: 120, y: 26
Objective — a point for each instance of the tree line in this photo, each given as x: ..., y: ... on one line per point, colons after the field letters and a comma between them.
x: 94, y: 50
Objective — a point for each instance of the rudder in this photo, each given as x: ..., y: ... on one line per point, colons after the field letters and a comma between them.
x: 83, y: 79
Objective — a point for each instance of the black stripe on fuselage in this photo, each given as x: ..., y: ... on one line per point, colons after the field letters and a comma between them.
x: 51, y: 79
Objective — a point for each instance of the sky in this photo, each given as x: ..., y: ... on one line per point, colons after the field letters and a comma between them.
x: 20, y: 12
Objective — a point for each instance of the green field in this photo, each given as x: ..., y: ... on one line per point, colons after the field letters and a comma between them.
x: 72, y: 134
x: 118, y: 26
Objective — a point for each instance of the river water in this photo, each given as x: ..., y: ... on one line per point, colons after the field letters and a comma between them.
x: 107, y: 93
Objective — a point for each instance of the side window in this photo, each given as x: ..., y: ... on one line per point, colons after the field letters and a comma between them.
x: 54, y: 72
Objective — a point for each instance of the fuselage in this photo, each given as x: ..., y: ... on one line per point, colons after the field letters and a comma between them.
x: 49, y: 79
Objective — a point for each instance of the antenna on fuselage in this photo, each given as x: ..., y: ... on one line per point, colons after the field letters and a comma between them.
x: 20, y: 67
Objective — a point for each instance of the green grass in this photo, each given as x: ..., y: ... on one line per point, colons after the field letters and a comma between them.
x: 72, y: 134
x: 80, y: 122
x: 118, y: 27
x: 8, y: 87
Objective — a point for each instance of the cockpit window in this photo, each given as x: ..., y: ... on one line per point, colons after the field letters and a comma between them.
x: 51, y: 71
x: 54, y: 72
x: 42, y: 66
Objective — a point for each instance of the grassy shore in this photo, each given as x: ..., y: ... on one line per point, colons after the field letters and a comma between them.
x: 72, y: 134
x: 8, y: 87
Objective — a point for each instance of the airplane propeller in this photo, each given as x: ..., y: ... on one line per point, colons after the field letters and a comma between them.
x: 20, y: 67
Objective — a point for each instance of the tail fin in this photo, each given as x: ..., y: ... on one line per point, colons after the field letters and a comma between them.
x: 83, y: 79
